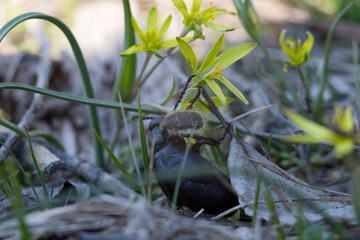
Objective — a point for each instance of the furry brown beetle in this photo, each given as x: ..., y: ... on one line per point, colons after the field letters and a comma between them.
x: 202, y: 185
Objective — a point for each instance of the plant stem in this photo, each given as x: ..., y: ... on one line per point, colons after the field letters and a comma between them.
x: 306, y: 88
x: 319, y: 100
x: 356, y: 75
x: 138, y: 80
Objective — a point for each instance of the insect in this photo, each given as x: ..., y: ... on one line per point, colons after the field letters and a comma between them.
x: 202, y: 184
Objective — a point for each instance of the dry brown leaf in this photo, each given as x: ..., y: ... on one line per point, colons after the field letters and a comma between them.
x: 288, y: 192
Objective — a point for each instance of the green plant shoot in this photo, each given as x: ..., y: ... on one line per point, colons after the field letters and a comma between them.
x: 340, y: 131
x: 297, y: 54
x: 194, y: 19
x: 211, y: 69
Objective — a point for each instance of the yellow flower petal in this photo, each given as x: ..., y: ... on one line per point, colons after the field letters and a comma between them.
x: 313, y: 129
x: 344, y: 120
x: 343, y: 146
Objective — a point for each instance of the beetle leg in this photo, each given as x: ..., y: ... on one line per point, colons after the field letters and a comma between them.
x: 227, y: 130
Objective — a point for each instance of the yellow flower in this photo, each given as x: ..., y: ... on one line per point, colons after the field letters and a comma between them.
x: 298, y: 54
x: 151, y: 39
x: 194, y: 19
x: 340, y: 132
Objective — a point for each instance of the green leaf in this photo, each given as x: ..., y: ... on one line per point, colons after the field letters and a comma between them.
x: 196, y: 6
x: 188, y: 53
x: 181, y: 6
x: 233, y: 89
x: 151, y: 24
x: 212, y: 54
x: 219, y: 104
x: 217, y: 27
x: 217, y: 90
x: 133, y: 49
x: 138, y: 30
x: 164, y: 27
x: 232, y: 55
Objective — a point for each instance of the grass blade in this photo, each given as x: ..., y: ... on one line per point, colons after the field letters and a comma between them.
x: 94, y: 120
x: 126, y: 74
x: 272, y: 209
x: 10, y: 184
x: 77, y: 99
x: 143, y: 192
x: 181, y: 171
x: 117, y: 162
x: 143, y: 143
x: 41, y: 177
x: 256, y: 200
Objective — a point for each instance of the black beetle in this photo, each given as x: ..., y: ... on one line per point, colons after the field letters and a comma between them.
x: 202, y: 184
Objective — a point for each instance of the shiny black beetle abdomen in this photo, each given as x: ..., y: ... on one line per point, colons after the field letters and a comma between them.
x: 202, y: 184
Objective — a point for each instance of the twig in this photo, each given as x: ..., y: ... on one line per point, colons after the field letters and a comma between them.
x: 89, y: 172
x: 251, y: 112
x: 43, y: 73
x: 199, y: 213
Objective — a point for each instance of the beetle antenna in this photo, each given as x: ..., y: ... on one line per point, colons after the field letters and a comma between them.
x: 183, y: 91
x: 194, y: 99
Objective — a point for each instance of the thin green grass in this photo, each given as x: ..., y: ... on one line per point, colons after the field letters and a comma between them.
x: 118, y: 163
x: 256, y: 199
x: 94, y: 121
x: 143, y: 143
x: 10, y: 184
x: 132, y: 149
x: 181, y: 170
x: 272, y: 209
x: 77, y: 99
x: 41, y: 177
